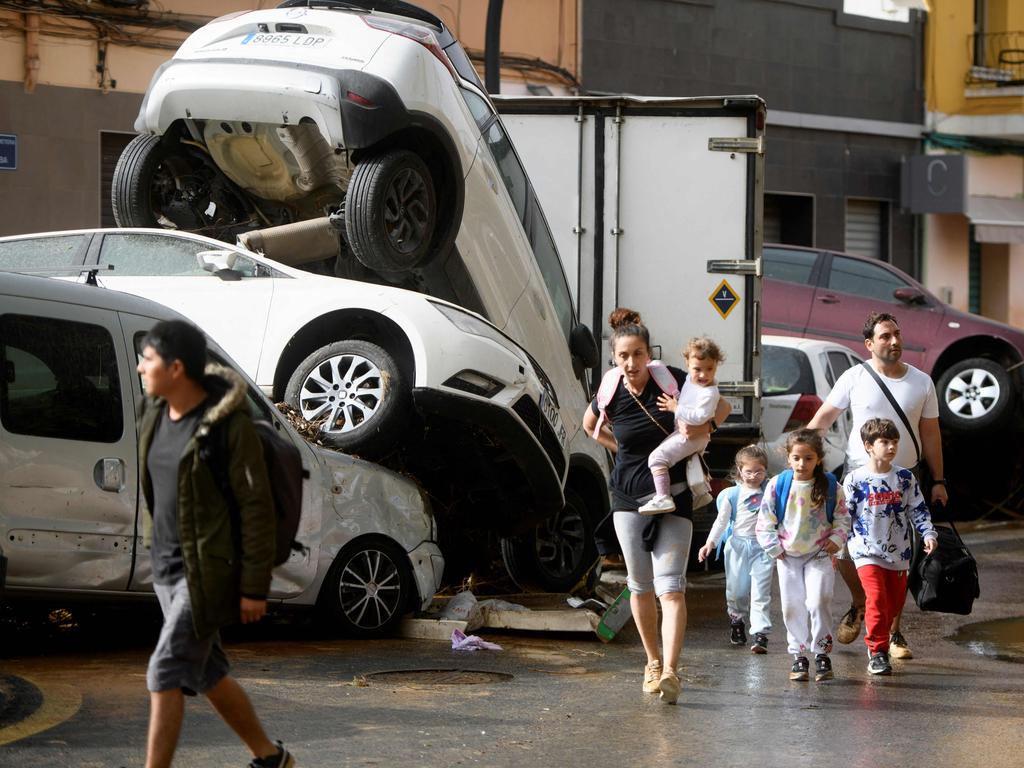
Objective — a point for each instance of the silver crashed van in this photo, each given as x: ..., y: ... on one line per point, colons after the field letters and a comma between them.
x: 70, y: 507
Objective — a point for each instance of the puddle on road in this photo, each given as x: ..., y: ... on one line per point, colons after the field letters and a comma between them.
x: 1001, y: 639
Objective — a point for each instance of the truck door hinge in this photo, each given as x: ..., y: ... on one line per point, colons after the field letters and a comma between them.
x: 740, y: 388
x: 737, y: 144
x: 735, y: 267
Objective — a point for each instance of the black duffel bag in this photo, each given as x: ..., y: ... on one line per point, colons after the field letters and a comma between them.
x: 946, y: 580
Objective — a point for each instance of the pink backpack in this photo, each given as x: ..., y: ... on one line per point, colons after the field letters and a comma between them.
x: 609, y: 383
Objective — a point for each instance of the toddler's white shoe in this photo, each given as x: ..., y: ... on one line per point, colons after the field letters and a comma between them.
x: 659, y: 505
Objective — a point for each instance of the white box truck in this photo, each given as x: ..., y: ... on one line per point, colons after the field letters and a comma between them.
x: 656, y: 204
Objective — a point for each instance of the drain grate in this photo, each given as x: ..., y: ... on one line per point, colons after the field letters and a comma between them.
x: 427, y: 677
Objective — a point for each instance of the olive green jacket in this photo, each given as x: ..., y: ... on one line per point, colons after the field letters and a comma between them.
x: 226, y: 555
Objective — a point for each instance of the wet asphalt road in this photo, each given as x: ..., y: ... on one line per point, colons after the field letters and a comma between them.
x: 77, y: 697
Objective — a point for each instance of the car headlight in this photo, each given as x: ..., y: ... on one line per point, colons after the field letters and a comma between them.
x: 468, y: 323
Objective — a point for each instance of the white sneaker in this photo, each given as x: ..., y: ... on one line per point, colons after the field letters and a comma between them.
x: 658, y: 506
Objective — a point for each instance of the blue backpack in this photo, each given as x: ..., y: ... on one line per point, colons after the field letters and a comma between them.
x: 732, y: 495
x: 785, y: 481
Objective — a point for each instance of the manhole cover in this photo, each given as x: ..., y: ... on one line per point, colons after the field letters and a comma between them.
x: 437, y: 677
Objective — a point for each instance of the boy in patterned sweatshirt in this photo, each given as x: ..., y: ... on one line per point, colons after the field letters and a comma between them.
x: 884, y: 501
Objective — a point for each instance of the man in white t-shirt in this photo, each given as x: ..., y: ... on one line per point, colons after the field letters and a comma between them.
x: 858, y: 390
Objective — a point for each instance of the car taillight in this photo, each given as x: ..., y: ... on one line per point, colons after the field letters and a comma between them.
x: 803, y: 411
x: 356, y: 98
x: 415, y: 33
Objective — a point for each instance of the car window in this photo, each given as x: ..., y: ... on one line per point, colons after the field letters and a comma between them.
x: 141, y: 254
x: 546, y: 254
x: 789, y: 266
x: 786, y: 371
x: 463, y: 65
x: 59, y: 380
x: 839, y: 362
x: 482, y: 112
x: 863, y: 278
x: 512, y: 172
x: 61, y: 251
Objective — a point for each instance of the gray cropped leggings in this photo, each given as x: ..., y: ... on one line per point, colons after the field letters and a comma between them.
x: 664, y: 569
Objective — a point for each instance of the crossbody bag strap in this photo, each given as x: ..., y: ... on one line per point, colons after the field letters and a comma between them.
x: 642, y: 408
x: 895, y: 406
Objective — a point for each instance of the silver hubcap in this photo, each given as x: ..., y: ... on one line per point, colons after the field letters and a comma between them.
x: 972, y: 393
x: 344, y: 391
x: 370, y: 589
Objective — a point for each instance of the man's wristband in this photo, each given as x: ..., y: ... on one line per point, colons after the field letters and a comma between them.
x: 939, y: 481
x: 714, y: 427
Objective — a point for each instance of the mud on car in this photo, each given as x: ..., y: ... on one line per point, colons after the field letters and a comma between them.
x: 355, y: 139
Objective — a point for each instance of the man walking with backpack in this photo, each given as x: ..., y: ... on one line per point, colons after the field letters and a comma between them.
x: 885, y: 387
x: 212, y: 558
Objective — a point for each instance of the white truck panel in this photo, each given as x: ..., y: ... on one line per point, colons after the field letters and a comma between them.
x: 638, y: 203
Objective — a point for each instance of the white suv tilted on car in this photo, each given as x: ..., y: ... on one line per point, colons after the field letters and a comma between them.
x: 360, y: 132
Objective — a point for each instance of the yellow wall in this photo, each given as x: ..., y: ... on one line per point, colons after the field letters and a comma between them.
x: 544, y: 29
x: 948, y: 29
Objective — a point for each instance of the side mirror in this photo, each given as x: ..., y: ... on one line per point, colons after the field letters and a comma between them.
x: 909, y: 295
x: 219, y: 263
x: 583, y: 346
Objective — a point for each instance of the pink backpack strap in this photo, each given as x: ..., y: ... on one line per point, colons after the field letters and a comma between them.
x: 610, y: 381
x: 663, y: 378
x: 605, y: 392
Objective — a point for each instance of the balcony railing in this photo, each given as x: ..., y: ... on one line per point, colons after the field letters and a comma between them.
x: 996, y: 59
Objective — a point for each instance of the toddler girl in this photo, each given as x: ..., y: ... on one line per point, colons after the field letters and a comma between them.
x: 803, y: 522
x: 696, y: 405
x: 748, y: 569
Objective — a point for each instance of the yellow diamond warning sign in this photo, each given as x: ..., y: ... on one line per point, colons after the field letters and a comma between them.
x: 724, y: 299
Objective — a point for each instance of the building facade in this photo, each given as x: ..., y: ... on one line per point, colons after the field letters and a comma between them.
x: 974, y: 203
x: 845, y: 95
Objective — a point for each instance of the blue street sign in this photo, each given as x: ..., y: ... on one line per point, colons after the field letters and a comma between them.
x: 8, y: 152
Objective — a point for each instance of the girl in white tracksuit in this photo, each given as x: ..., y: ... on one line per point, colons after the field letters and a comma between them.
x: 748, y: 569
x: 814, y: 526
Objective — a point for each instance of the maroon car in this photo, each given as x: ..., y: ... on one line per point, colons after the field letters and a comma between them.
x: 975, y: 362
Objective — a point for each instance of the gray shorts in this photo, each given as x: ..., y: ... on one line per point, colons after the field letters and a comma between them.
x: 664, y: 569
x: 181, y: 660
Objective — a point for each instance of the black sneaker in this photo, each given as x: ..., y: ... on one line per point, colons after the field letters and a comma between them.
x: 799, y: 669
x: 760, y: 643
x: 879, y: 664
x: 283, y: 759
x: 822, y: 668
x: 739, y: 633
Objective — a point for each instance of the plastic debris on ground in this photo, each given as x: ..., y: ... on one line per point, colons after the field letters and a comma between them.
x: 463, y: 642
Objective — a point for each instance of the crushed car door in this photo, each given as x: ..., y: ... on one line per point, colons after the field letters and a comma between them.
x: 67, y: 448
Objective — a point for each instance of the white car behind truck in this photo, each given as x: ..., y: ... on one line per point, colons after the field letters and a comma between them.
x: 656, y: 204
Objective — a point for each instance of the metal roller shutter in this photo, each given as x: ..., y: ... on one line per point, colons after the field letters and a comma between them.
x: 864, y: 221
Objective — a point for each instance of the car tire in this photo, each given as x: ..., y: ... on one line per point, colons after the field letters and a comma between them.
x: 557, y: 554
x: 391, y: 211
x: 131, y: 191
x: 370, y: 421
x: 975, y: 395
x: 368, y: 588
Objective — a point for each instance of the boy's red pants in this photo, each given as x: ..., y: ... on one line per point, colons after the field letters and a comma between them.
x: 886, y: 592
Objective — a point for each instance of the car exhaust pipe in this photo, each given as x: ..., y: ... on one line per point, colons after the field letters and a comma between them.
x: 297, y: 243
